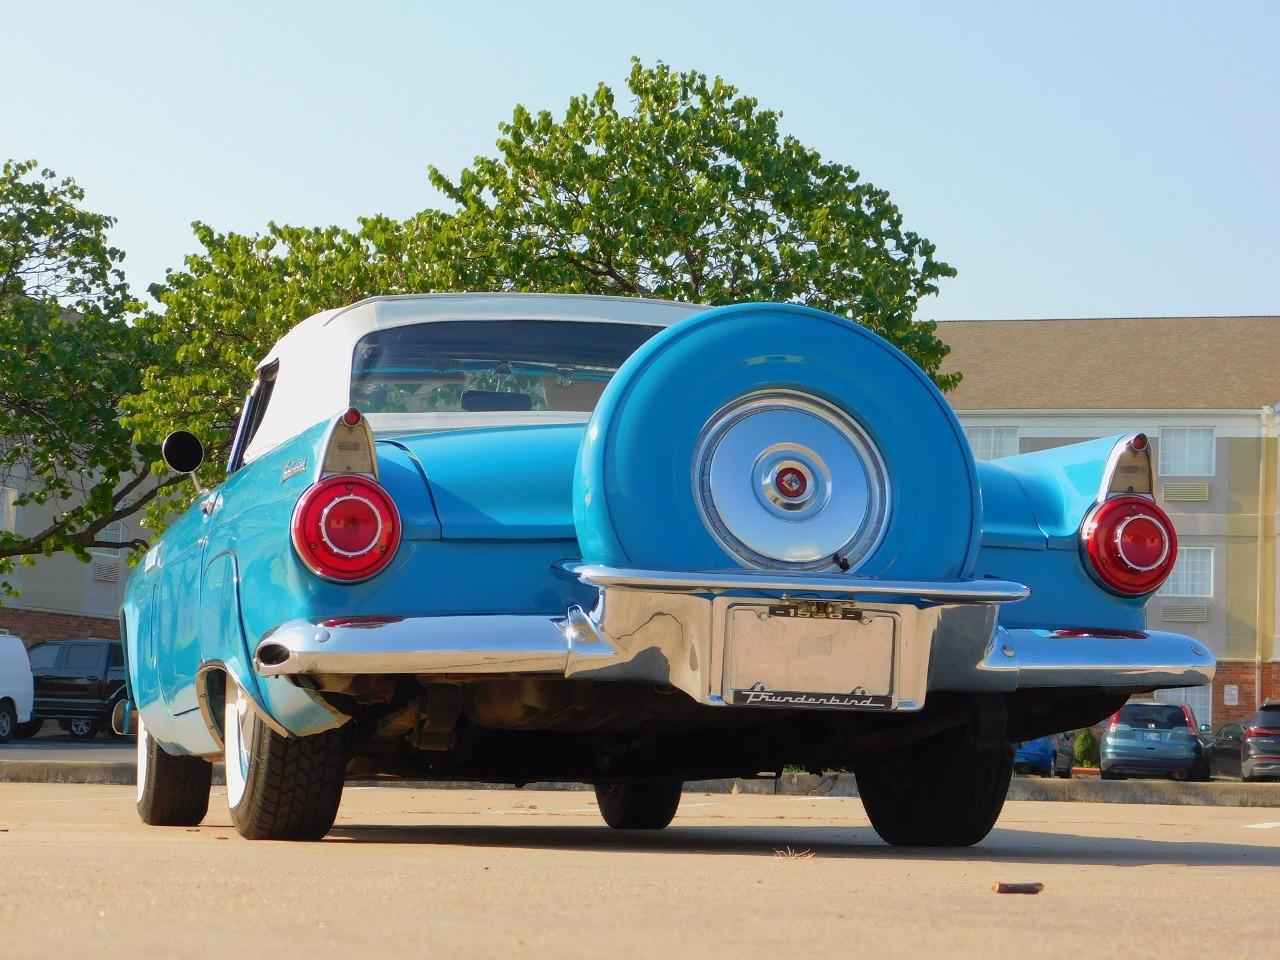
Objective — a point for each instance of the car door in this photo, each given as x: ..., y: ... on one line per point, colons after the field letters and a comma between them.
x: 178, y: 604
x: 1227, y: 746
x: 45, y: 658
x: 186, y: 598
x: 81, y: 672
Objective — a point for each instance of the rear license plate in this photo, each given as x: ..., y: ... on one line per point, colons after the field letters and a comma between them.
x: 782, y: 655
x: 1152, y: 735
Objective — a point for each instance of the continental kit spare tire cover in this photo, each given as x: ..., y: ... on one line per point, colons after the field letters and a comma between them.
x: 779, y: 437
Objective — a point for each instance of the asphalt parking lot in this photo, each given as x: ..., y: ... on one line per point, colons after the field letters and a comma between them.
x: 485, y: 873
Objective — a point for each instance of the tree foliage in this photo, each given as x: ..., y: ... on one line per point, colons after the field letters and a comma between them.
x: 69, y: 359
x: 691, y: 193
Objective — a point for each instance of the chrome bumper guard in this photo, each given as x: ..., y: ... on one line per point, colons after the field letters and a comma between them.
x: 676, y: 629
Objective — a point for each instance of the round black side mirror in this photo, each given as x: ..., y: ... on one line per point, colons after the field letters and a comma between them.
x: 182, y: 452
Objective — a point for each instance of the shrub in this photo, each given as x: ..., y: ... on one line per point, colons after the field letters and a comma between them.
x: 1086, y: 749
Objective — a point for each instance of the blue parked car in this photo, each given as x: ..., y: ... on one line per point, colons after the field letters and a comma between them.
x: 630, y: 543
x: 1051, y: 756
x: 1145, y: 739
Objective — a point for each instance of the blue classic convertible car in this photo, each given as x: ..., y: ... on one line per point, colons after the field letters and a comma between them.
x: 630, y: 543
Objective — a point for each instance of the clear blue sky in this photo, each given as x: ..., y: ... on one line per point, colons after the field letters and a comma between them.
x: 1071, y: 159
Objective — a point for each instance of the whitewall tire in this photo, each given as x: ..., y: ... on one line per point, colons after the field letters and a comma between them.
x: 280, y: 787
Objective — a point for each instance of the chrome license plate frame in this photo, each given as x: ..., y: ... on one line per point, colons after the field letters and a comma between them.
x: 812, y: 655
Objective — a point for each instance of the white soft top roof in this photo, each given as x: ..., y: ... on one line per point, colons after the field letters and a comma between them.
x: 314, y: 375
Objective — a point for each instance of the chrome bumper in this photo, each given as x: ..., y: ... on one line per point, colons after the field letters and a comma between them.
x: 672, y: 629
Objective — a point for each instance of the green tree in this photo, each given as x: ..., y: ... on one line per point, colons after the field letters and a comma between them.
x: 70, y: 358
x: 693, y: 194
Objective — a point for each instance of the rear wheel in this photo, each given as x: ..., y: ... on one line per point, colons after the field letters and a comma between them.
x: 281, y: 787
x: 25, y: 731
x: 638, y: 804
x: 1108, y: 775
x: 944, y: 792
x: 8, y: 722
x: 172, y: 791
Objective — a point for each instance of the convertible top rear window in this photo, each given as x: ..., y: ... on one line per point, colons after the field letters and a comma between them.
x: 490, y: 365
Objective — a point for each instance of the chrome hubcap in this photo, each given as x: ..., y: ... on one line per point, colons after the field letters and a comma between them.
x: 786, y: 480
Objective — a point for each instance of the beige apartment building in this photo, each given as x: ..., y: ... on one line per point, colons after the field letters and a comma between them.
x: 60, y: 596
x: 1204, y: 389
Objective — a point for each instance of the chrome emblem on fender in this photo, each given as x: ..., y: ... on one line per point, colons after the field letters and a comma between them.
x: 292, y: 469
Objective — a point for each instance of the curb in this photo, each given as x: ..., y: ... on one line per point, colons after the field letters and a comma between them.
x: 1077, y: 790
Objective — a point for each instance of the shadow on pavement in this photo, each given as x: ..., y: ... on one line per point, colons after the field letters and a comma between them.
x: 1003, y: 846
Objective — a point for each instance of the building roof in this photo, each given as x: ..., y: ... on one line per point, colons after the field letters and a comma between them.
x: 1130, y: 363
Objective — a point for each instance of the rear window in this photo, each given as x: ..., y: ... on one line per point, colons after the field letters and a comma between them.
x: 1159, y: 715
x: 490, y: 366
x: 1269, y: 717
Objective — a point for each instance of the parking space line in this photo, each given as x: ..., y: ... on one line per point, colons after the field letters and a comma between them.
x: 1269, y: 825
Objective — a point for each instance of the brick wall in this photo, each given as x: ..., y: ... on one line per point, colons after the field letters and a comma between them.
x: 34, y: 626
x: 1242, y: 674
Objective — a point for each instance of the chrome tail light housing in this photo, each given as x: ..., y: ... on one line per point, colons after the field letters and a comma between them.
x: 1129, y: 545
x: 345, y: 528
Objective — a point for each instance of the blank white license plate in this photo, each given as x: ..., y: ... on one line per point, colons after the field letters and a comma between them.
x: 778, y: 658
x: 1153, y: 736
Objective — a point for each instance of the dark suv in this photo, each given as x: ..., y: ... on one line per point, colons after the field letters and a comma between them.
x: 1250, y: 751
x: 77, y: 683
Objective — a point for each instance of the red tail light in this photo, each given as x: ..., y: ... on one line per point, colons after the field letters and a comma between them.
x: 1115, y: 719
x: 1130, y: 545
x: 1191, y: 721
x: 345, y: 528
x: 1260, y: 732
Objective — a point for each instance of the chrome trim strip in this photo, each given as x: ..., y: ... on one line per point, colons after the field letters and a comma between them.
x: 715, y: 581
x: 487, y: 643
x: 324, y: 526
x: 678, y: 639
x: 1119, y: 534
x: 206, y: 708
x: 1147, y: 662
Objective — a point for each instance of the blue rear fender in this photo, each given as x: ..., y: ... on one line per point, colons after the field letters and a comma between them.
x: 427, y: 577
x: 1033, y: 506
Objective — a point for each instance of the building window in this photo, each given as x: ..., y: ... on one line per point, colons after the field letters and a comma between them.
x: 106, y: 562
x: 992, y: 443
x: 1192, y: 574
x: 1186, y: 452
x: 114, y: 532
x: 1199, y: 699
x: 8, y: 510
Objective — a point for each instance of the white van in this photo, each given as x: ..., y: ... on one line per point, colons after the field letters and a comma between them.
x: 16, y: 688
